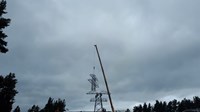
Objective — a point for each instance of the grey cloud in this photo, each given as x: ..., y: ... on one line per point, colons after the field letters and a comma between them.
x: 150, y: 50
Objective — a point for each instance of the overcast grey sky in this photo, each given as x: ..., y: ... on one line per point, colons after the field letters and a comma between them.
x: 150, y: 50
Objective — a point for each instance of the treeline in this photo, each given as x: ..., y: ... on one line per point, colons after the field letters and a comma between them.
x: 171, y: 106
x: 51, y: 106
x: 8, y: 92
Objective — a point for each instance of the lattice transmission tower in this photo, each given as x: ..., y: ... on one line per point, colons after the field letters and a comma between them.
x: 97, y: 99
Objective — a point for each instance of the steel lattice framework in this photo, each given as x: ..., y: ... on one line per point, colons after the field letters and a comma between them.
x: 98, y: 100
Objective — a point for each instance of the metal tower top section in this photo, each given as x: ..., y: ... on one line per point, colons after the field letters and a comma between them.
x: 94, y: 84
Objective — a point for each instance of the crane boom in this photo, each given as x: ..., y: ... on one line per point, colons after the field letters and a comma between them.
x: 104, y: 76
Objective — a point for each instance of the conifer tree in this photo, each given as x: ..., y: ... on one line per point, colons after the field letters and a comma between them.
x: 34, y: 108
x: 4, y: 22
x: 7, y: 92
x: 17, y: 109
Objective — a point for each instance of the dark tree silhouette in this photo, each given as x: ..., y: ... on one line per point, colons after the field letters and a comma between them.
x: 34, y: 108
x: 7, y: 92
x: 138, y: 109
x: 51, y: 106
x: 7, y: 84
x: 174, y: 105
x: 196, y: 101
x: 4, y: 22
x: 59, y: 105
x: 171, y: 106
x: 157, y: 106
x: 149, y: 108
x: 17, y: 109
x: 127, y: 110
x: 135, y: 109
x: 184, y: 104
x: 164, y: 107
x: 145, y: 109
